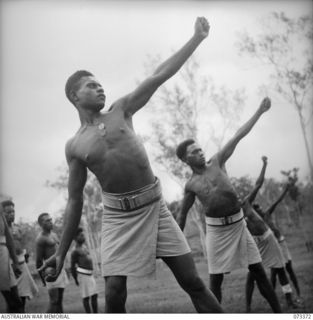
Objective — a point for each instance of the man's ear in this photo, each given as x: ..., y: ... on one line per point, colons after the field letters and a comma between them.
x: 73, y: 96
x: 184, y: 159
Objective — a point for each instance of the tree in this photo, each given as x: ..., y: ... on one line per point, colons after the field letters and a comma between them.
x: 282, y: 42
x: 297, y: 199
x: 193, y: 107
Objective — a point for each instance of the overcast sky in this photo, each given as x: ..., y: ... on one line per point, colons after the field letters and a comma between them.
x: 43, y: 42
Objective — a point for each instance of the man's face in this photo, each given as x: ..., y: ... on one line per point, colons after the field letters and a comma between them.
x: 90, y: 94
x: 80, y: 238
x: 46, y: 223
x: 195, y: 156
x: 9, y: 213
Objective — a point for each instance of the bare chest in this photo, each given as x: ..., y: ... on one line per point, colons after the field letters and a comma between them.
x: 203, y: 185
x: 94, y: 143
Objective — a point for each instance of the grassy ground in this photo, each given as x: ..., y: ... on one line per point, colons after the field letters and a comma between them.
x: 165, y: 296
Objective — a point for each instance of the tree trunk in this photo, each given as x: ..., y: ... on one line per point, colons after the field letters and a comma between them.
x: 306, y: 143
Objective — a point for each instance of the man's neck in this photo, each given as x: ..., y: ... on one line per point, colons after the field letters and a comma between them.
x: 89, y: 117
x: 46, y: 232
x: 198, y: 170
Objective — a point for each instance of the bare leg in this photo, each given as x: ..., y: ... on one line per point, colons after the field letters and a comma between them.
x: 249, y: 291
x: 293, y: 277
x: 216, y: 281
x: 115, y: 294
x: 60, y: 299
x: 86, y: 305
x: 185, y: 272
x: 284, y: 282
x: 94, y: 303
x: 264, y: 286
x: 13, y: 300
x: 23, y: 299
x: 54, y: 301
x: 273, y: 277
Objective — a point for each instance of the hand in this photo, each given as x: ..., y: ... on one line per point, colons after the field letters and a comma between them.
x: 265, y: 104
x: 16, y: 269
x: 56, y: 263
x: 202, y: 27
x: 264, y: 159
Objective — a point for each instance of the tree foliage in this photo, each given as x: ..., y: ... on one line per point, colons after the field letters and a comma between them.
x: 285, y: 44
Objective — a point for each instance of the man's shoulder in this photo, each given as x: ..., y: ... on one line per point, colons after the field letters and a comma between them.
x: 69, y: 143
x: 72, y: 147
x: 189, y: 186
x: 40, y: 239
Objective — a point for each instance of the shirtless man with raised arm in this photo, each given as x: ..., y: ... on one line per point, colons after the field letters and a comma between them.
x: 272, y: 256
x: 137, y: 227
x: 268, y: 218
x: 46, y: 245
x: 230, y: 245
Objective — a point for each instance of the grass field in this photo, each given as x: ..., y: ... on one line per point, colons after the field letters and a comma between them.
x: 163, y: 295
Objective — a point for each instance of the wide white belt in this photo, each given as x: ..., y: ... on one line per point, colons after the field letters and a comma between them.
x: 132, y: 200
x: 222, y: 221
x: 84, y: 271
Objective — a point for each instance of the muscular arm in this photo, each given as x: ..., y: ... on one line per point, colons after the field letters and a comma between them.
x: 73, y: 211
x: 188, y: 201
x: 138, y: 98
x: 271, y: 209
x: 40, y: 250
x: 229, y: 148
x: 258, y: 184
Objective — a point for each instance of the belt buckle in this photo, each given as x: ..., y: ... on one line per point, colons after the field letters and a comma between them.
x: 227, y: 220
x: 128, y: 203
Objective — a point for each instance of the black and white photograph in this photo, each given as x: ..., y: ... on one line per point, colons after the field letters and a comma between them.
x: 156, y: 157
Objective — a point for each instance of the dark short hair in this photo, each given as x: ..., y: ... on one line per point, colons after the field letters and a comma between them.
x: 78, y: 231
x: 41, y: 216
x: 182, y: 147
x: 73, y: 80
x: 7, y: 203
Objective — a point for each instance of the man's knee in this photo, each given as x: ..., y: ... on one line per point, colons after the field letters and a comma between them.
x: 192, y: 283
x: 115, y: 291
x: 54, y: 297
x: 216, y: 279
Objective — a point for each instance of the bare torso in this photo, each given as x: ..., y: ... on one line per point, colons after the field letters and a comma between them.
x: 255, y: 223
x: 48, y: 243
x: 83, y: 257
x: 114, y: 153
x: 269, y: 221
x: 214, y: 190
x: 17, y: 238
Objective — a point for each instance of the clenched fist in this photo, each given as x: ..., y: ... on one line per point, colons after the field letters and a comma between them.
x: 202, y: 27
x: 265, y: 104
